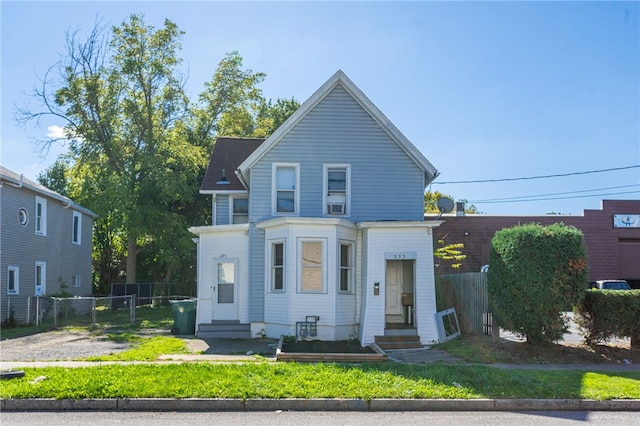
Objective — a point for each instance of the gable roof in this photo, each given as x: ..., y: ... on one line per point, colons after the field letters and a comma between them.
x: 19, y: 181
x: 227, y: 155
x: 339, y: 78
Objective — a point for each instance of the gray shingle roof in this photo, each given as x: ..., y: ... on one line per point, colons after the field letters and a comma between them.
x: 227, y: 155
x: 15, y: 179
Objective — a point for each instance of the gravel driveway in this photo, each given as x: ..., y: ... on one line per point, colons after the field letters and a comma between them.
x: 58, y: 345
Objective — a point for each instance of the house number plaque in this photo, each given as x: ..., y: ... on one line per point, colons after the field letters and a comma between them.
x: 411, y: 255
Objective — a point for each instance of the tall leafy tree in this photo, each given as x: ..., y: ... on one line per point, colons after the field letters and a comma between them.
x: 56, y: 177
x: 137, y: 148
x: 120, y: 98
x: 271, y: 115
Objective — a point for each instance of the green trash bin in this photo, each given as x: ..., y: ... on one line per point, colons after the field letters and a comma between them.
x: 184, y: 316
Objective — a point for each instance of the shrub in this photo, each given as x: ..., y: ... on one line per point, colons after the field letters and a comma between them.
x: 607, y: 313
x: 10, y: 321
x: 536, y: 273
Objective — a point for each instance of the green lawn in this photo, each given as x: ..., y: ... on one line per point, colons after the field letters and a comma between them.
x: 292, y: 380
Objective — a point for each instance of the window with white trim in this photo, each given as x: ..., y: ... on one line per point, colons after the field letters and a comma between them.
x: 41, y: 216
x: 76, y: 228
x: 13, y: 280
x: 76, y: 281
x: 277, y: 266
x: 285, y: 188
x: 337, y: 182
x: 311, y: 266
x: 346, y: 268
x: 41, y: 278
x: 239, y: 209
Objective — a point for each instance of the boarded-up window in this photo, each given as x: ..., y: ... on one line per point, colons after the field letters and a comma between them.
x: 311, y: 279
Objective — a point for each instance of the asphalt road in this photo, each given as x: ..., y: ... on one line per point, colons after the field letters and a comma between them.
x: 441, y: 418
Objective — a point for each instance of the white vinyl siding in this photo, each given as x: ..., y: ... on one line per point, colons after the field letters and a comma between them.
x: 13, y: 280
x: 286, y: 191
x: 41, y: 216
x: 76, y: 228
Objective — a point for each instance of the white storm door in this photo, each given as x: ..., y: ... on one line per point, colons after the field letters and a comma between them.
x: 393, y: 288
x: 225, y: 290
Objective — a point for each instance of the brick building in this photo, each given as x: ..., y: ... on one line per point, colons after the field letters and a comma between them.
x: 611, y: 234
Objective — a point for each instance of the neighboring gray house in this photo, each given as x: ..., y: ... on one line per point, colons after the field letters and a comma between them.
x: 45, y: 239
x: 319, y: 230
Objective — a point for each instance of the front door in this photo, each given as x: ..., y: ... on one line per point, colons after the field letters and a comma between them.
x: 225, y: 290
x: 393, y: 291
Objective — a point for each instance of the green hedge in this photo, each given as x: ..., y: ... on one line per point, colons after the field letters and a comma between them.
x: 536, y: 272
x: 607, y: 313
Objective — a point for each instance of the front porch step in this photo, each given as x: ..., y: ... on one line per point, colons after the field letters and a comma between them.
x: 398, y: 341
x: 224, y: 330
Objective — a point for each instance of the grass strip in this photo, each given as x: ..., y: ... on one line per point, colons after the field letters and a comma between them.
x: 144, y: 348
x: 291, y: 380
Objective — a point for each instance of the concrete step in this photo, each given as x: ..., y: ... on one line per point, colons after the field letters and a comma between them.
x: 224, y: 330
x: 398, y: 342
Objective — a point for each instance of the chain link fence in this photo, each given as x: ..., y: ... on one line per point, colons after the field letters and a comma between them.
x: 126, y: 304
x: 80, y: 310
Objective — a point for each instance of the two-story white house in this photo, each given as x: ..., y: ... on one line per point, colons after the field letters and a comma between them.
x: 45, y: 242
x: 318, y: 231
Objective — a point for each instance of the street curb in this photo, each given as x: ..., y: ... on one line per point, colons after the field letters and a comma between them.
x: 316, y: 404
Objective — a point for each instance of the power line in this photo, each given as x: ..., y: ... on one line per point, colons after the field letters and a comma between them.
x: 555, y: 198
x: 538, y: 177
x: 523, y: 197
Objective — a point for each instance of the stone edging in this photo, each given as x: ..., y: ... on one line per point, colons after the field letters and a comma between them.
x: 319, y: 404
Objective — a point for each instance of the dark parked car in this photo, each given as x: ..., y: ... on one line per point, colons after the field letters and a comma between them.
x: 612, y: 285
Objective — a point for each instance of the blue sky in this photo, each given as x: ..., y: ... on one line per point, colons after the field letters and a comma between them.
x: 485, y: 90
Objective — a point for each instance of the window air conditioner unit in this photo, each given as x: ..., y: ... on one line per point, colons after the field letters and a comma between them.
x: 337, y: 208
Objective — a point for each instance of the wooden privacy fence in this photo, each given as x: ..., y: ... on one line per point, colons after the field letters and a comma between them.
x: 467, y: 293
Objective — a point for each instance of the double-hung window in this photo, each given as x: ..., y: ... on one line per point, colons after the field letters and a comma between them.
x: 337, y: 182
x: 346, y: 267
x: 239, y: 210
x: 41, y: 278
x: 311, y: 266
x: 41, y: 216
x: 285, y: 189
x: 277, y: 266
x: 76, y: 281
x: 13, y: 280
x: 76, y: 228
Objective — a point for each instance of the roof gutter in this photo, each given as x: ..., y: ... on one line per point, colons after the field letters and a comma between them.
x: 241, y: 178
x: 19, y: 184
x: 428, y: 182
